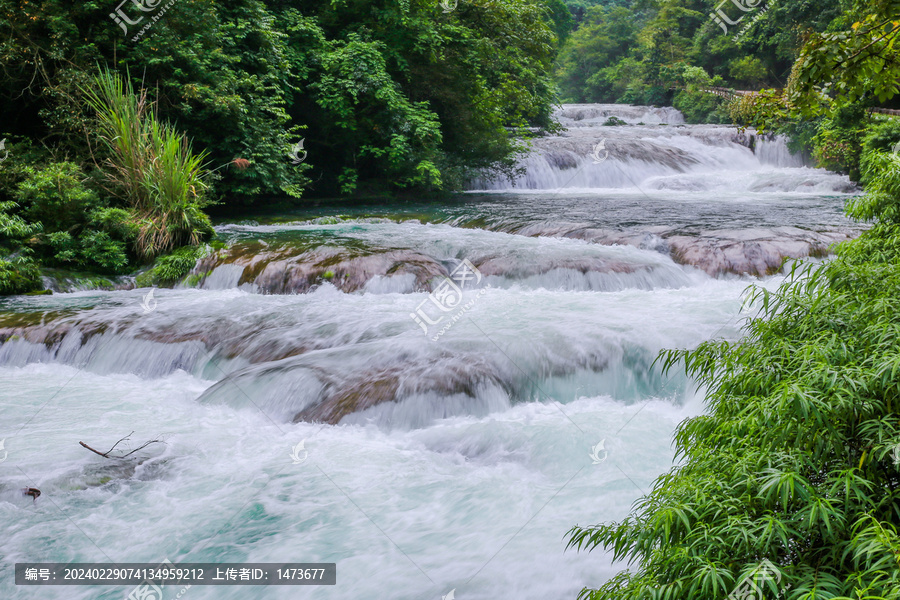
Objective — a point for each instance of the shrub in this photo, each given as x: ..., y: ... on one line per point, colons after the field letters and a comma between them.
x: 173, y: 267
x: 77, y: 230
x: 838, y: 144
x: 884, y: 135
x: 18, y: 272
x: 747, y: 70
x: 700, y: 107
x: 19, y: 275
x: 55, y: 195
x: 152, y: 166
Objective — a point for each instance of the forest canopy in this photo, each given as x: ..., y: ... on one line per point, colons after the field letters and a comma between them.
x: 385, y: 94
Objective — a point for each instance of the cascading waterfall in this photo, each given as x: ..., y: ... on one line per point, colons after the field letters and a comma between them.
x: 653, y: 145
x: 452, y: 452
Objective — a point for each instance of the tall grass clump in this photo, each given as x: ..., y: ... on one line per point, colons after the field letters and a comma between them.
x: 152, y: 166
x: 797, y: 459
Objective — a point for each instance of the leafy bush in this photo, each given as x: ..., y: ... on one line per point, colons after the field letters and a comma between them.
x: 884, y: 135
x: 55, y: 195
x: 838, y: 144
x: 18, y: 272
x: 701, y: 107
x: 13, y: 228
x: 796, y: 459
x: 173, y: 267
x: 19, y: 275
x: 77, y: 230
x: 747, y: 70
x: 151, y: 166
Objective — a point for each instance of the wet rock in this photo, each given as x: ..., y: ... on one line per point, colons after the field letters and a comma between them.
x: 393, y: 384
x: 289, y: 270
x: 751, y: 251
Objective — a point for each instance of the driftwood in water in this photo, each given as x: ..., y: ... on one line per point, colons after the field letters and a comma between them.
x: 107, y: 453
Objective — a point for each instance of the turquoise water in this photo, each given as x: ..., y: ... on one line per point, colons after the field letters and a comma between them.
x: 451, y: 464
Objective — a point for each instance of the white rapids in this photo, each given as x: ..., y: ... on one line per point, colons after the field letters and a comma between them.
x: 430, y: 464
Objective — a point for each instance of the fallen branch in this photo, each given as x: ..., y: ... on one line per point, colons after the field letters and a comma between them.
x: 107, y: 453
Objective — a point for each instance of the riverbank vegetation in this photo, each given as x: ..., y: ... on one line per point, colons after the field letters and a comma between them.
x: 223, y: 107
x: 663, y: 52
x: 789, y: 485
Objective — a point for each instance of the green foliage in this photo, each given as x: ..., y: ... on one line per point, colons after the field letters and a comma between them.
x: 561, y: 19
x: 19, y: 275
x: 55, y: 195
x: 173, y: 267
x: 587, y: 65
x: 838, y: 143
x: 151, y: 167
x: 355, y: 84
x: 793, y: 461
x: 698, y: 105
x: 747, y: 71
x: 417, y: 97
x: 856, y: 61
x: 68, y: 224
x: 881, y: 172
x: 701, y: 107
x: 634, y: 52
x: 13, y: 228
x: 248, y: 79
x: 883, y: 135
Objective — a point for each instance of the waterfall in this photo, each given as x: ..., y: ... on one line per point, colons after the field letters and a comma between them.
x: 654, y: 150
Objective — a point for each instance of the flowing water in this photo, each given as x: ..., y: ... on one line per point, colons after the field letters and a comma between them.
x: 435, y: 457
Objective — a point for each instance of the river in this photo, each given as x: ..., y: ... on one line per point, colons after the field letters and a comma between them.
x: 468, y: 379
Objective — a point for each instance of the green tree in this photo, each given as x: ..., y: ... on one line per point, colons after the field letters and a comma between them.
x: 584, y: 67
x: 856, y: 61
